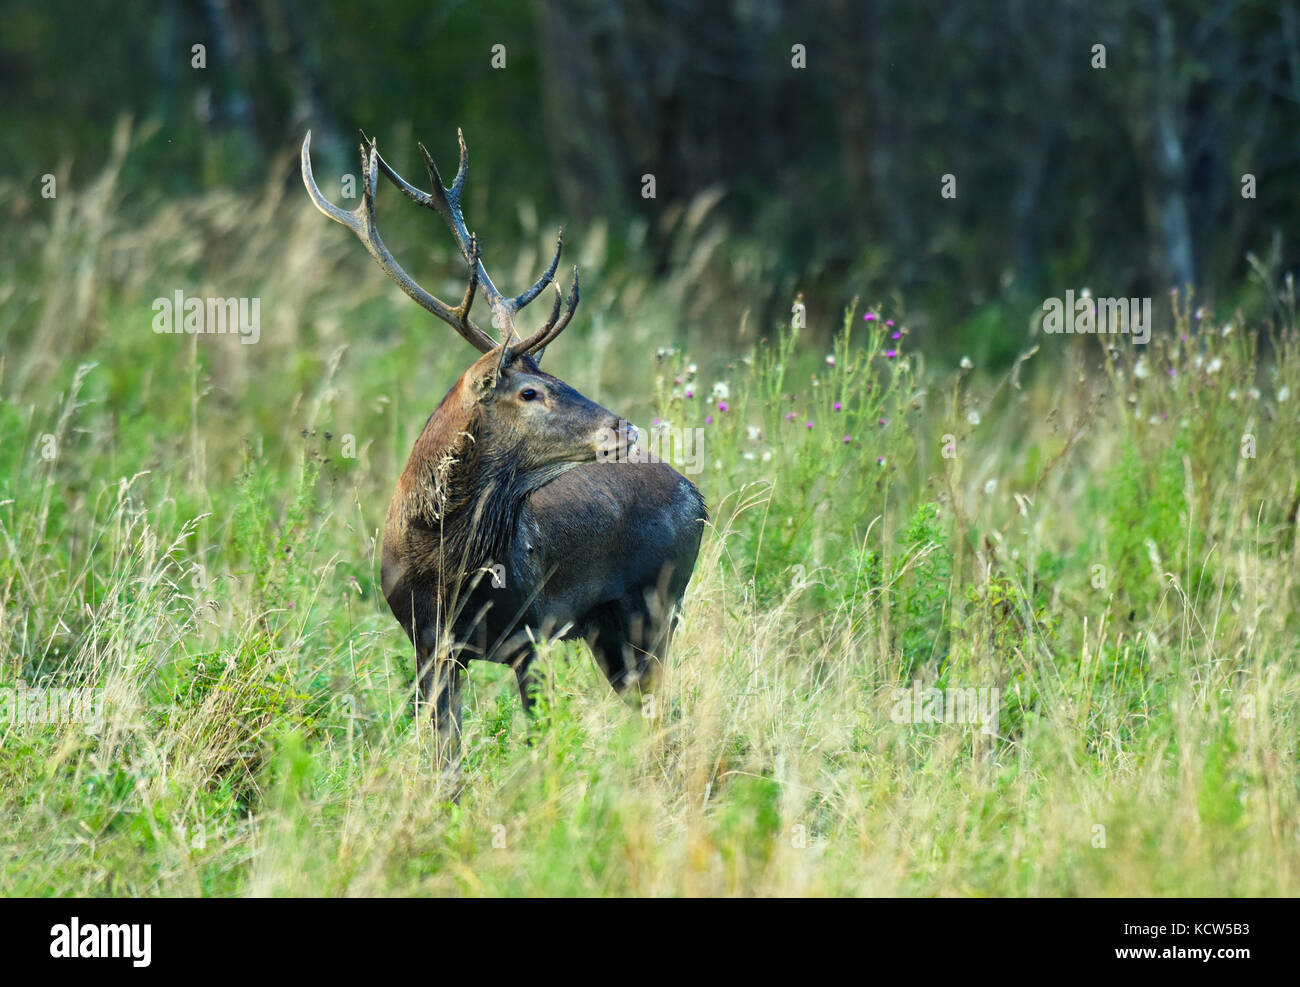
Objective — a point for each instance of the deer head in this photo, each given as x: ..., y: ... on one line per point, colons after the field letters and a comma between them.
x: 519, y: 412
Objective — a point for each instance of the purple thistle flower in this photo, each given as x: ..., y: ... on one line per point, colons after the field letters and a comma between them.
x: 809, y: 425
x: 838, y: 406
x: 708, y: 420
x: 890, y: 354
x: 847, y: 439
x: 869, y: 316
x: 722, y: 405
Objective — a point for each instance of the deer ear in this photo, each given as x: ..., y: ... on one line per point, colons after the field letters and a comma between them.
x: 484, y: 383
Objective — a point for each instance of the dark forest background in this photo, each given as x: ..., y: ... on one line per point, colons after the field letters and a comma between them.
x: 1125, y: 179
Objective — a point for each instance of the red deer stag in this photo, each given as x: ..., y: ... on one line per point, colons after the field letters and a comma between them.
x: 520, y: 514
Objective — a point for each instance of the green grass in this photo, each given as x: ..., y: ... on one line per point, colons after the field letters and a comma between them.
x: 182, y: 529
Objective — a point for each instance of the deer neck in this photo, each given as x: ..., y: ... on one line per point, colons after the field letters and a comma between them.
x: 464, y: 501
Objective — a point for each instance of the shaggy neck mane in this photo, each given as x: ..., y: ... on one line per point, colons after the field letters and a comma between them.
x: 463, y: 500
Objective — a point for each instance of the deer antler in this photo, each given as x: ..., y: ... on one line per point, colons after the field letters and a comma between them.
x: 361, y: 221
x: 446, y: 203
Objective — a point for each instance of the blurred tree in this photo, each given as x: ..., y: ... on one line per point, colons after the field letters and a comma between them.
x: 1126, y: 178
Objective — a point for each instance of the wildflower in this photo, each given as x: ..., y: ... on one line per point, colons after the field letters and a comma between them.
x: 692, y: 369
x: 838, y: 406
x: 880, y: 460
x: 966, y: 364
x: 890, y: 323
x: 722, y: 405
x: 847, y: 439
x: 708, y: 419
x: 973, y: 416
x: 1215, y: 366
x: 1253, y: 394
x: 753, y: 433
x: 808, y: 425
x: 870, y: 316
x: 721, y: 390
x: 1140, y: 369
x: 897, y: 335
x: 890, y: 354
x: 990, y: 486
x: 883, y: 421
x: 790, y: 417
x: 830, y: 359
x: 1283, y: 394
x: 767, y: 455
x: 1226, y: 330
x: 690, y: 393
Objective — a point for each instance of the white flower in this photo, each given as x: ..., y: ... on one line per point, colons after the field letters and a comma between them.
x: 1283, y: 393
x: 991, y: 486
x: 1253, y: 394
x: 721, y: 391
x: 973, y: 417
x: 692, y: 369
x: 965, y: 363
x: 767, y: 455
x: 1232, y: 394
x: 753, y: 433
x: 746, y: 455
x: 1226, y: 330
x: 1140, y: 369
x: 1215, y: 366
x: 830, y: 359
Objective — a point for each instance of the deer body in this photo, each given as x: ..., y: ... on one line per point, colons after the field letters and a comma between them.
x: 524, y: 511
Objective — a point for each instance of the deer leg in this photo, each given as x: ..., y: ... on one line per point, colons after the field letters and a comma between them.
x: 530, y: 681
x: 440, y: 689
x: 618, y: 641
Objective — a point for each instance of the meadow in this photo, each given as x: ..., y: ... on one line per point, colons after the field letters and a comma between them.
x: 1104, y: 533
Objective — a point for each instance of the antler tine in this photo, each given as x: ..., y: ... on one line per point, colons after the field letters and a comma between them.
x: 361, y: 221
x: 468, y: 300
x: 524, y: 297
x: 544, y: 336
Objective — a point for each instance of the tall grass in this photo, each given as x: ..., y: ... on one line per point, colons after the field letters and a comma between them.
x: 1107, y: 536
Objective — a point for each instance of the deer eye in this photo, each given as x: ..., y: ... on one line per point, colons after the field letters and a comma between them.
x: 528, y: 394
